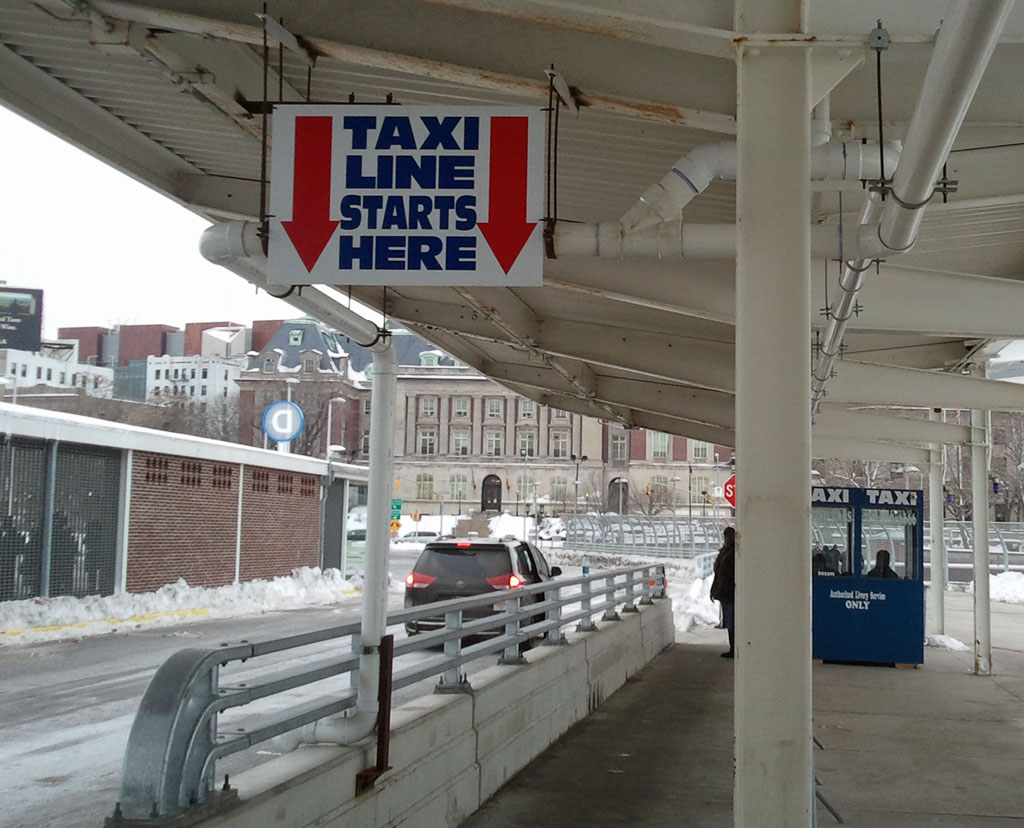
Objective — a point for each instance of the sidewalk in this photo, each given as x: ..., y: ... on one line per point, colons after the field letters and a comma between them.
x: 934, y: 747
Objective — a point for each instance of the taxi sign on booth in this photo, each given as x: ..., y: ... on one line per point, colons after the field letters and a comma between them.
x: 410, y: 195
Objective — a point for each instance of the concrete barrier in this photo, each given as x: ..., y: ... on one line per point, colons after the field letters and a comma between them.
x: 451, y: 752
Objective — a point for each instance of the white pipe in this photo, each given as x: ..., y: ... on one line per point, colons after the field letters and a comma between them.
x: 676, y: 239
x: 693, y: 173
x: 963, y: 48
x: 236, y: 246
x: 821, y: 123
x: 851, y: 280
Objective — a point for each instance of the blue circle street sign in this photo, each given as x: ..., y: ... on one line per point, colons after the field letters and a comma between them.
x: 282, y: 421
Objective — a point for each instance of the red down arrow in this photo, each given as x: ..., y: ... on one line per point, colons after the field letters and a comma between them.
x: 506, y: 229
x: 311, y: 228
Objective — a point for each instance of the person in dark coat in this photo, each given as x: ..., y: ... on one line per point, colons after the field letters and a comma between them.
x: 723, y: 587
x: 882, y: 568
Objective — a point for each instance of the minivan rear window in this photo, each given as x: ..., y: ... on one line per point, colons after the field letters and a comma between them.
x: 477, y: 560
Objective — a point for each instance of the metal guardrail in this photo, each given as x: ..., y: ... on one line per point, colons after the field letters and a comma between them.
x: 670, y: 536
x: 175, y: 740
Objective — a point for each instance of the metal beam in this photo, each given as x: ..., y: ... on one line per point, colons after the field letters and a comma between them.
x: 842, y: 448
x: 971, y: 306
x: 866, y: 384
x: 681, y: 402
x: 424, y: 67
x: 869, y: 425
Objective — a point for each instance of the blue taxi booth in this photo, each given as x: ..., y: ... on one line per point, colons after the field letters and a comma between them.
x: 867, y: 565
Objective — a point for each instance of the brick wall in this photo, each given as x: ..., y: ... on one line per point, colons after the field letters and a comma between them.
x: 184, y: 514
x: 280, y: 522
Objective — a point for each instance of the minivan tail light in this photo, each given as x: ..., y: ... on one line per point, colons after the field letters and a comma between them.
x: 417, y: 580
x: 507, y: 581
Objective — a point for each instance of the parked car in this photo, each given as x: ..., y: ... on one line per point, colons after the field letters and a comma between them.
x: 356, y: 534
x: 422, y: 536
x: 459, y: 567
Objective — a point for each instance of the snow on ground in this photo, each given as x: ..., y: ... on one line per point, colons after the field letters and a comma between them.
x: 945, y: 642
x: 47, y: 619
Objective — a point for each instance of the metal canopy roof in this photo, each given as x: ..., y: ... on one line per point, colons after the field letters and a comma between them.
x: 164, y: 91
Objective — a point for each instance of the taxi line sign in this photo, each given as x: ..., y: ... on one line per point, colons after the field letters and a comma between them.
x: 411, y: 195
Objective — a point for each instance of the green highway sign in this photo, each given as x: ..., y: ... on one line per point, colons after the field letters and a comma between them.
x: 396, y: 503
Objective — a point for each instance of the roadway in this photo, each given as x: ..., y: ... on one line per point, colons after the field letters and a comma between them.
x: 67, y: 706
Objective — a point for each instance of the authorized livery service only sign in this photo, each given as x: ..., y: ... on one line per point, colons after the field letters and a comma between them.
x: 406, y: 195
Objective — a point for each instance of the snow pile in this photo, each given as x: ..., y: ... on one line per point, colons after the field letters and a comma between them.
x: 1007, y: 587
x: 515, y: 525
x: 945, y: 642
x: 48, y: 619
x: 692, y: 606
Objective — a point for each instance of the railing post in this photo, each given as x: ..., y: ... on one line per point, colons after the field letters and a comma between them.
x: 610, y: 614
x: 586, y: 624
x: 452, y: 679
x: 512, y: 654
x: 554, y: 635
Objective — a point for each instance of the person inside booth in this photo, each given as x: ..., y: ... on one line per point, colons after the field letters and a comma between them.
x: 882, y: 568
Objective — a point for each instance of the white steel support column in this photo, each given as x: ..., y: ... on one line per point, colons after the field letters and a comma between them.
x: 979, y: 510
x: 936, y: 518
x: 774, y: 783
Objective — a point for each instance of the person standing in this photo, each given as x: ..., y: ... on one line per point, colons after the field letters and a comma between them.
x: 723, y: 587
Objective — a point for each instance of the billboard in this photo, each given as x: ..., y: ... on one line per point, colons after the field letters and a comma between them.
x: 21, y: 318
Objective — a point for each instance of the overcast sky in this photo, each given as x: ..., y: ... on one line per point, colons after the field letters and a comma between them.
x: 104, y: 248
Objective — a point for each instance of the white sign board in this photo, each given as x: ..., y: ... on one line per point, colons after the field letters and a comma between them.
x: 406, y: 195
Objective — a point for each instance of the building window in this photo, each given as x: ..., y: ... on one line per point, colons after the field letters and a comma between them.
x: 459, y: 487
x: 618, y: 448
x: 268, y: 365
x: 365, y: 443
x: 309, y: 365
x: 559, y: 488
x: 493, y: 443
x: 63, y: 378
x: 191, y: 390
x: 700, y: 488
x: 495, y: 408
x: 24, y: 368
x: 204, y: 374
x: 268, y: 398
x: 427, y: 439
x: 559, y: 444
x: 527, y: 409
x: 225, y: 375
x: 14, y: 369
x: 295, y: 337
x: 366, y: 406
x: 428, y: 407
x: 424, y: 487
x: 428, y: 358
x: 527, y: 443
x: 176, y: 373
x: 460, y: 406
x: 701, y: 450
x: 202, y: 391
x: 157, y: 374
x: 192, y: 374
x: 49, y: 374
x: 526, y: 487
x: 560, y: 414
x: 460, y: 441
x: 659, y: 445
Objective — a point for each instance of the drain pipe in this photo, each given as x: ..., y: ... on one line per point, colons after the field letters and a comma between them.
x: 693, y: 173
x: 962, y: 51
x: 236, y: 246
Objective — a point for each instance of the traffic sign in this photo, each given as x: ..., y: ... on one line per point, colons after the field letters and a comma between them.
x: 396, y: 503
x: 282, y: 421
x: 396, y: 525
x: 411, y: 195
x: 730, y: 491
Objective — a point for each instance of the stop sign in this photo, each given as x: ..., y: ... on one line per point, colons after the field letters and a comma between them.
x: 729, y: 491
